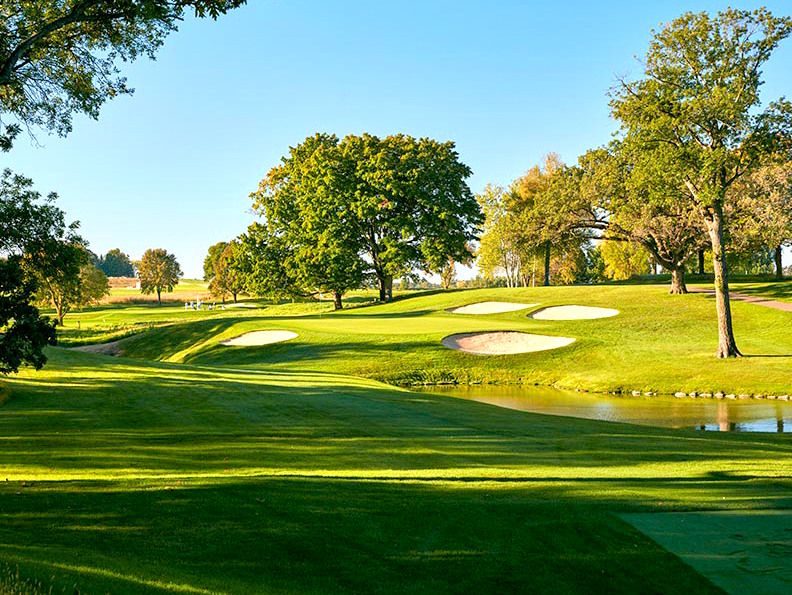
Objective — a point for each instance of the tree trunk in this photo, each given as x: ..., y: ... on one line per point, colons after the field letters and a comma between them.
x: 678, y: 286
x: 234, y: 295
x: 159, y: 296
x: 779, y: 266
x: 547, y: 263
x: 701, y: 262
x: 385, y: 287
x: 337, y: 303
x: 727, y: 346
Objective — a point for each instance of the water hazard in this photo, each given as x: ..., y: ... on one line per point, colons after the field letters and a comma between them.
x: 749, y: 415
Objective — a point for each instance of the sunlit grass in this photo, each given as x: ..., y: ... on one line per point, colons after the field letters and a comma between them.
x: 247, y: 470
x: 658, y: 343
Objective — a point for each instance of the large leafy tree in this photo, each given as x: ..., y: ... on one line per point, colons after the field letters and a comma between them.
x: 59, y: 57
x: 501, y: 250
x: 334, y: 210
x: 411, y: 205
x: 26, y: 222
x: 226, y: 278
x: 306, y: 203
x: 158, y: 271
x: 65, y: 277
x: 623, y: 192
x: 540, y: 210
x: 211, y: 258
x: 762, y: 209
x: 698, y: 109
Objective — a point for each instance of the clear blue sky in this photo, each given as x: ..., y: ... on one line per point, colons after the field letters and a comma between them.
x: 172, y: 165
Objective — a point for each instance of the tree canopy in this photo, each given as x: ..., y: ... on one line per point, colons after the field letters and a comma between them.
x: 59, y: 57
x: 158, y: 271
x: 27, y: 222
x: 334, y: 210
x: 116, y: 264
x: 699, y: 112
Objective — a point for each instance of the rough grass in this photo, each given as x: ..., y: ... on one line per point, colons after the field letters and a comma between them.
x: 658, y: 343
x: 128, y: 477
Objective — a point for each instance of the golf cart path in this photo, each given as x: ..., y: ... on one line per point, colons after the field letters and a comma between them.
x: 751, y: 299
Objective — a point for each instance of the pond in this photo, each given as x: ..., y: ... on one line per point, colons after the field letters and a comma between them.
x: 725, y: 415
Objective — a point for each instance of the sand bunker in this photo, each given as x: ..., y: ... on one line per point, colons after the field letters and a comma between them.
x: 573, y: 313
x: 259, y: 338
x: 504, y: 342
x: 490, y: 308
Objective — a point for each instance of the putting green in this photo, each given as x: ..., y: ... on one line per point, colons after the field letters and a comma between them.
x: 573, y: 313
x: 491, y: 308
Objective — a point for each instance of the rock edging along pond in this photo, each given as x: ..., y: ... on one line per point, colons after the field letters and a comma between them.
x: 620, y: 392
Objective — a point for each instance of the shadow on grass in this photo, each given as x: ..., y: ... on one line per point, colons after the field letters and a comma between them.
x: 130, y: 477
x: 324, y: 535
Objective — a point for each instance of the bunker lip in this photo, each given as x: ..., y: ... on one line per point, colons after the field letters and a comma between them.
x: 490, y: 308
x: 257, y: 338
x: 573, y: 312
x: 503, y: 342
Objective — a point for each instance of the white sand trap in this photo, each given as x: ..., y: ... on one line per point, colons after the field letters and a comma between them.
x: 256, y: 338
x: 490, y: 308
x: 573, y: 313
x: 241, y: 305
x: 504, y: 342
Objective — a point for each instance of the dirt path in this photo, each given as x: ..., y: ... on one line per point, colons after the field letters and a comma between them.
x: 751, y: 299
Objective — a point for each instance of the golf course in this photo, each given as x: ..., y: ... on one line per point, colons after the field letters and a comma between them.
x: 183, y: 465
x: 471, y: 298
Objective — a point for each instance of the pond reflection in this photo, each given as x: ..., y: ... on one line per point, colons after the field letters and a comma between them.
x: 748, y: 415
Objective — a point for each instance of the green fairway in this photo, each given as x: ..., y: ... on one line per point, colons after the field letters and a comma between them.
x: 198, y: 468
x: 127, y: 476
x: 658, y: 343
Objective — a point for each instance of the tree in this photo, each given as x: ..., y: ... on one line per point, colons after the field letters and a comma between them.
x: 540, y: 207
x: 411, y: 205
x: 58, y: 57
x: 306, y: 202
x: 65, y: 276
x: 227, y: 280
x: 762, y: 207
x: 25, y: 332
x: 116, y: 264
x: 334, y: 210
x: 448, y: 274
x: 26, y: 222
x: 158, y: 271
x: 628, y: 198
x: 499, y: 247
x: 211, y: 258
x: 623, y: 260
x: 698, y: 109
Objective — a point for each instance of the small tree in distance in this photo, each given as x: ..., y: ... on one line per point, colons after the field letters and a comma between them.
x: 116, y: 264
x: 158, y: 271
